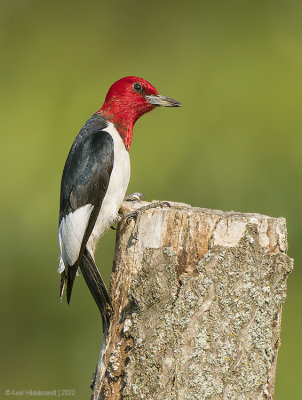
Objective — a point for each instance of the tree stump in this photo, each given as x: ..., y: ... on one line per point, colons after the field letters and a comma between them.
x: 197, y: 303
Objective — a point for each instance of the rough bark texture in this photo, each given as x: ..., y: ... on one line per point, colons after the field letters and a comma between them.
x: 197, y: 303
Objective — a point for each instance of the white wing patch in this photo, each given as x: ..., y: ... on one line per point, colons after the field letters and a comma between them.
x: 71, y: 233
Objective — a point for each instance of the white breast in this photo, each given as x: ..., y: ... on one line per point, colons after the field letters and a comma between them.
x: 116, y: 191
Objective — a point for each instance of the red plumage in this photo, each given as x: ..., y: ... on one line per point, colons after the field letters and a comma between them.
x: 123, y: 106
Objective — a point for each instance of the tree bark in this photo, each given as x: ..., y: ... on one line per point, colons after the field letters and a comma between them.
x: 197, y: 303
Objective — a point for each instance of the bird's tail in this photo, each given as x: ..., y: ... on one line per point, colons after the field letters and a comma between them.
x: 97, y: 287
x: 67, y: 279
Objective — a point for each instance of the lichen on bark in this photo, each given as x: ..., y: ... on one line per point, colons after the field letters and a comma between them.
x: 197, y: 306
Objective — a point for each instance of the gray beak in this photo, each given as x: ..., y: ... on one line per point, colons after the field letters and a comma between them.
x: 164, y: 101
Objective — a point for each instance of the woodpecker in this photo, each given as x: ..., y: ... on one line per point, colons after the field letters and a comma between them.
x: 95, y: 179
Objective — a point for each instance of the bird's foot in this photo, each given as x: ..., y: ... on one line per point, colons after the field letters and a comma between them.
x: 137, y: 214
x: 137, y: 196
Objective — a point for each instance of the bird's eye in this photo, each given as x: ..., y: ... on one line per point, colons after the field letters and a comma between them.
x: 137, y: 87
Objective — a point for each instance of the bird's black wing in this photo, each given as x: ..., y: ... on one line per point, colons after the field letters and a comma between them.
x: 84, y: 184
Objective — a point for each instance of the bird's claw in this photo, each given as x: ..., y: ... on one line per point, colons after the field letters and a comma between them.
x: 130, y: 216
x: 137, y: 196
x: 133, y: 236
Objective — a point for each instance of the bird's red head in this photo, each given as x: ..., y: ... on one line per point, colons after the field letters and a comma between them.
x: 127, y: 100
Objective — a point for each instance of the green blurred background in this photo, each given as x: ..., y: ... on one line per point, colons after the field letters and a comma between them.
x: 234, y: 145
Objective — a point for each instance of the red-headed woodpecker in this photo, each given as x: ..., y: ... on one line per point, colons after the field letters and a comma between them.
x: 95, y: 180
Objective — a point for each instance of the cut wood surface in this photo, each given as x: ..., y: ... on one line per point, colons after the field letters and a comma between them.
x: 197, y: 302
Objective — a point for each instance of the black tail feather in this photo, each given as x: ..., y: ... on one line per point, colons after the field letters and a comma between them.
x: 71, y: 274
x: 67, y: 279
x: 97, y: 287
